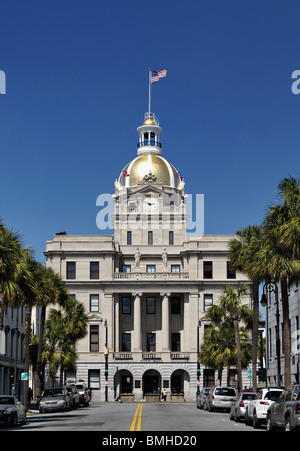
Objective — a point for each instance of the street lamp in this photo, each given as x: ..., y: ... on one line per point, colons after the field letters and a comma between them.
x: 198, y: 363
x: 106, y: 352
x: 271, y: 287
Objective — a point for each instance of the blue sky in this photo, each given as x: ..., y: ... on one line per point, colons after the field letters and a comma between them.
x: 77, y: 74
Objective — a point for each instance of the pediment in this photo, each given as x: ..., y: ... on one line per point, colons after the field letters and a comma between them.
x: 96, y: 318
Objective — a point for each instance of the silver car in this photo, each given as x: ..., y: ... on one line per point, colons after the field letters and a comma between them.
x: 201, y: 398
x: 239, y: 406
x: 55, y: 399
x: 220, y: 398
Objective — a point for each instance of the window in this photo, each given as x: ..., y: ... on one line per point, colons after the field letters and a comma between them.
x: 126, y: 268
x: 71, y: 270
x: 151, y: 269
x: 94, y: 338
x: 176, y: 342
x: 151, y: 305
x: 129, y: 238
x: 150, y: 238
x: 94, y: 270
x: 207, y: 270
x: 126, y: 342
x: 171, y: 238
x: 175, y: 268
x: 231, y: 273
x: 94, y: 379
x: 175, y: 305
x: 94, y: 303
x: 126, y: 306
x: 208, y: 301
x: 151, y: 342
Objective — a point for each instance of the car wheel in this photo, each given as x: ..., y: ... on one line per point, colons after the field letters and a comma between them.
x: 288, y: 425
x: 256, y: 422
x: 270, y: 426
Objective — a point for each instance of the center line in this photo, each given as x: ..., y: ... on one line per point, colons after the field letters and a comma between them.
x: 134, y: 418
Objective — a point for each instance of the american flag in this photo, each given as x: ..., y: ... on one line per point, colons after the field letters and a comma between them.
x: 157, y: 74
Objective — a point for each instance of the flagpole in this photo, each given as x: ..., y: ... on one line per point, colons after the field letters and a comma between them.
x: 149, y: 111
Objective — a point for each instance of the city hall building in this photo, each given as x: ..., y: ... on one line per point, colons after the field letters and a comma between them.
x: 148, y: 287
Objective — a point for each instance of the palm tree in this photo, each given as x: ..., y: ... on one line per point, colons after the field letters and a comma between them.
x: 63, y: 328
x: 52, y: 290
x: 281, y: 255
x: 10, y: 263
x: 29, y: 295
x: 219, y: 350
x: 230, y: 306
x: 244, y: 256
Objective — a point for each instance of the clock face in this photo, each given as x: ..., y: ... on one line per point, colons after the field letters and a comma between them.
x: 150, y: 204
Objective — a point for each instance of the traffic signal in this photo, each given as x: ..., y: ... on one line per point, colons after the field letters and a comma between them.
x: 198, y: 371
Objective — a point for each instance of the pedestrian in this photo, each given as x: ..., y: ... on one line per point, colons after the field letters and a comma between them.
x: 246, y: 390
x: 164, y: 394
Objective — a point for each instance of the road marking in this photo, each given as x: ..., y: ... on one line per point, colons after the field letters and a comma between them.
x: 139, y: 425
x: 132, y: 427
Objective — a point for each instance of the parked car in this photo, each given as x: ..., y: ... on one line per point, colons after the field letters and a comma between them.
x: 239, y: 406
x: 285, y: 413
x: 55, y: 399
x: 12, y: 411
x: 220, y: 398
x: 74, y: 396
x: 201, y: 397
x: 83, y: 393
x: 256, y: 413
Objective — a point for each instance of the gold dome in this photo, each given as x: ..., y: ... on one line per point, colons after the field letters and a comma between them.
x: 150, y: 121
x: 137, y: 169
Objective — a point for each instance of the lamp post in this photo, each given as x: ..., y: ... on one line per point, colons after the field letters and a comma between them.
x: 271, y: 287
x: 198, y: 363
x: 106, y: 352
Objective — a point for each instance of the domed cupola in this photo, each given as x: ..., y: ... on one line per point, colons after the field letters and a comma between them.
x: 149, y: 158
x: 149, y: 134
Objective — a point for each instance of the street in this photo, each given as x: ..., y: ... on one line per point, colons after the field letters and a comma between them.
x: 144, y: 417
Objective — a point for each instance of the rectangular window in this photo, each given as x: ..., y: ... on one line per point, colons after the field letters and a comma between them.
x: 151, y: 342
x: 175, y: 342
x: 94, y: 303
x: 231, y: 272
x: 150, y: 238
x: 94, y: 379
x: 151, y: 306
x: 94, y: 338
x: 126, y: 268
x: 129, y: 238
x: 175, y: 305
x: 171, y: 238
x: 94, y: 270
x: 71, y: 270
x: 207, y: 270
x: 126, y: 306
x: 126, y: 342
x: 151, y: 269
x: 175, y: 268
x: 208, y: 301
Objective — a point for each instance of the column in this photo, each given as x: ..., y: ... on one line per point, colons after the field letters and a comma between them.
x: 137, y: 323
x: 165, y: 322
x: 117, y: 324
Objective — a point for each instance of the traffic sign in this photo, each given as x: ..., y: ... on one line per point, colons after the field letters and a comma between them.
x: 250, y: 374
x: 26, y: 377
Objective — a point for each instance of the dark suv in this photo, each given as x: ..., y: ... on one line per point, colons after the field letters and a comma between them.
x: 285, y: 413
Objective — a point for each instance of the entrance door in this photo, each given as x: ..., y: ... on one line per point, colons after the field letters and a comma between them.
x: 151, y: 384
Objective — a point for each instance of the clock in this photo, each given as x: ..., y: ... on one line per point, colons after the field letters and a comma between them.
x: 150, y: 204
